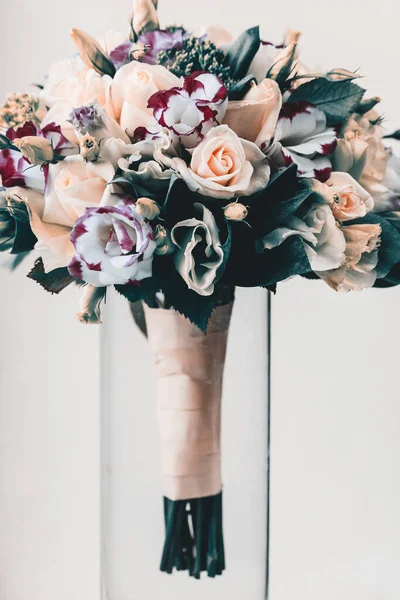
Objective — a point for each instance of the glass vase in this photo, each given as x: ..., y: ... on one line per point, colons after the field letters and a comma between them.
x: 133, y: 527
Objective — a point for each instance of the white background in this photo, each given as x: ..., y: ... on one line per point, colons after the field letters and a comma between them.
x: 335, y: 401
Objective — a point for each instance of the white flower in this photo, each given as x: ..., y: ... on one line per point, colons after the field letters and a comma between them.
x: 147, y: 163
x: 199, y: 254
x: 132, y: 87
x: 323, y: 241
x: 302, y: 137
x: 192, y: 110
x: 113, y: 245
x: 224, y: 166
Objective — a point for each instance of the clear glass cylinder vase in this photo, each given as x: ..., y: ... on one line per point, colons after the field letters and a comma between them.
x: 133, y: 530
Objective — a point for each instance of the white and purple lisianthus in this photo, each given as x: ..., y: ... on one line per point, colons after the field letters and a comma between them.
x: 191, y: 111
x: 113, y: 245
x: 302, y: 137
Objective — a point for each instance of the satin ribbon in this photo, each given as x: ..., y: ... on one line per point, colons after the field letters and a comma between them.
x: 190, y: 369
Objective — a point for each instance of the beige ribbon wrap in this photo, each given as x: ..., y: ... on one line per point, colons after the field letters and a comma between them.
x: 190, y: 369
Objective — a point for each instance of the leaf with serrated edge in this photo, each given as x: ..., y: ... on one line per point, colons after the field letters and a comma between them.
x: 54, y: 281
x: 338, y: 99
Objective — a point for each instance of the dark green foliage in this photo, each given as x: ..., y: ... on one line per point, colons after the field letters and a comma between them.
x: 239, y: 89
x: 338, y: 99
x: 240, y: 55
x: 55, y: 281
x: 196, y: 55
x: 24, y: 238
x: 139, y: 290
x: 393, y: 136
x: 280, y: 200
x: 249, y: 268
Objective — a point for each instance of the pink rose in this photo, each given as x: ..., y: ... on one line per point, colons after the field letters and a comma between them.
x: 190, y: 111
x: 132, y: 87
x: 70, y: 85
x: 224, y: 166
x: 255, y: 117
x: 350, y: 200
x: 73, y: 186
x: 358, y: 271
x: 113, y: 245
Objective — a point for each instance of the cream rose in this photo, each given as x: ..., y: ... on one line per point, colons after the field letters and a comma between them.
x: 361, y: 152
x: 347, y: 198
x: 73, y: 186
x: 255, y: 117
x: 70, y: 85
x: 224, y: 166
x: 358, y: 271
x: 132, y: 87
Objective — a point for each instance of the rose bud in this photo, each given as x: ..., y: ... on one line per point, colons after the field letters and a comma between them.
x: 235, y: 211
x: 163, y: 240
x: 89, y: 148
x: 37, y: 150
x: 147, y: 208
x: 92, y: 53
x: 144, y: 16
x: 138, y: 50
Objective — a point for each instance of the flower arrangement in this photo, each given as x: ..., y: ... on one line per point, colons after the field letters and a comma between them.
x: 175, y: 165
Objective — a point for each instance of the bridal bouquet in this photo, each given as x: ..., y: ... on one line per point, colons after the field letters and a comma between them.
x: 175, y: 165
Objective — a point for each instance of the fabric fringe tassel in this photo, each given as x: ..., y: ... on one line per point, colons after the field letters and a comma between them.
x: 194, y: 539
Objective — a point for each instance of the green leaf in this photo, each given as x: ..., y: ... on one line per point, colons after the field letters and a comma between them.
x: 393, y: 136
x: 24, y: 238
x: 188, y: 303
x: 102, y: 64
x: 139, y: 290
x: 248, y: 268
x: 239, y: 89
x: 278, y: 201
x: 55, y: 281
x: 391, y: 279
x: 338, y: 99
x: 282, y: 77
x: 240, y: 55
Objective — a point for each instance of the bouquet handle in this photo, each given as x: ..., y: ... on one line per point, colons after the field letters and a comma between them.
x: 190, y: 367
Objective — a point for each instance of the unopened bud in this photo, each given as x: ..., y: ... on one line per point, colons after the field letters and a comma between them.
x: 89, y: 148
x: 291, y: 36
x: 235, y: 211
x: 92, y: 53
x: 144, y: 16
x: 163, y: 240
x: 138, y: 50
x: 37, y: 150
x: 147, y: 208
